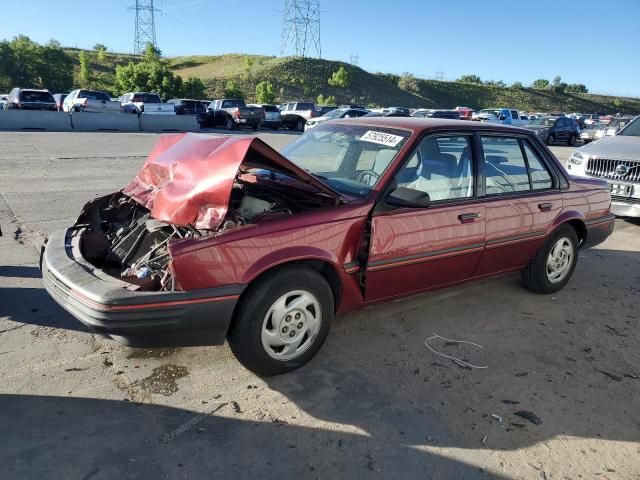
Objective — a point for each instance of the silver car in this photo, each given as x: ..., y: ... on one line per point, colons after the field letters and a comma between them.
x: 617, y: 160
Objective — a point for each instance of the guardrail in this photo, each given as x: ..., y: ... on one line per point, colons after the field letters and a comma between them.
x: 37, y: 120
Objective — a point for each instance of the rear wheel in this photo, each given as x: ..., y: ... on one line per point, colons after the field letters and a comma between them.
x: 553, y: 265
x: 255, y: 127
x: 230, y: 124
x: 300, y: 125
x: 551, y: 139
x: 282, y: 320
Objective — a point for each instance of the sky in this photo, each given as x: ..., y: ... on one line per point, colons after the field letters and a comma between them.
x: 594, y: 42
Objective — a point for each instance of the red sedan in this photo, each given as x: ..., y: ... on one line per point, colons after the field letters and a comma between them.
x: 226, y: 238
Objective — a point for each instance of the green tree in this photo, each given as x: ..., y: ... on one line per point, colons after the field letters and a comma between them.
x: 322, y: 100
x: 233, y: 90
x: 148, y: 77
x: 516, y: 86
x: 85, y: 69
x: 340, y: 78
x: 409, y: 83
x: 469, y: 79
x: 557, y: 80
x: 577, y: 88
x: 101, y: 51
x: 496, y: 83
x: 540, y: 84
x: 193, y: 87
x: 265, y: 92
x: 248, y: 65
x: 151, y: 54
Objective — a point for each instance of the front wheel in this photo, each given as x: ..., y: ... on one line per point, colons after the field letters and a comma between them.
x: 282, y: 320
x: 300, y: 125
x: 551, y: 140
x: 572, y: 140
x: 553, y: 265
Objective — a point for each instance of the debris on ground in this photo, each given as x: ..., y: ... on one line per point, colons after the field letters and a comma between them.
x: 612, y: 376
x: 497, y: 417
x: 527, y: 415
x: 511, y: 402
x: 460, y: 362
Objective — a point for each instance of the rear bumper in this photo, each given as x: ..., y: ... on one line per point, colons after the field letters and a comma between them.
x: 598, y: 229
x: 115, y: 309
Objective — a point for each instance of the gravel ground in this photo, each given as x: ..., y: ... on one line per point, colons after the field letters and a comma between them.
x: 374, y: 403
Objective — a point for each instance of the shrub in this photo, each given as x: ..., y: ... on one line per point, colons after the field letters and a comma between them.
x: 265, y: 93
x: 340, y: 78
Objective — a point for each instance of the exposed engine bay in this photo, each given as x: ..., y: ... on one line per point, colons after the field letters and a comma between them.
x: 120, y: 237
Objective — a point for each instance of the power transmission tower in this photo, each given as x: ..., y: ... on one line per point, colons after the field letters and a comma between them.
x: 439, y: 75
x: 145, y: 25
x: 353, y: 59
x: 301, y: 27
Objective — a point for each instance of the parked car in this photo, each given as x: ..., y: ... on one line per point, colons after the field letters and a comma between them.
x: 551, y: 130
x: 295, y: 114
x: 187, y: 106
x: 616, y: 125
x: 434, y: 113
x: 324, y: 109
x: 3, y: 99
x: 617, y: 160
x: 591, y: 119
x: 504, y: 116
x: 334, y: 115
x: 30, y: 99
x: 138, y: 103
x: 223, y: 237
x: 386, y: 113
x: 272, y: 118
x: 592, y: 132
x: 93, y: 101
x: 465, y: 113
x: 231, y: 113
x: 59, y: 98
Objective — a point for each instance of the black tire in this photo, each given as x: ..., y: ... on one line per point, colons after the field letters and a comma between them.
x: 245, y: 337
x: 300, y: 124
x: 572, y: 140
x: 534, y: 275
x: 550, y: 139
x: 274, y: 127
x: 230, y: 124
x: 255, y: 127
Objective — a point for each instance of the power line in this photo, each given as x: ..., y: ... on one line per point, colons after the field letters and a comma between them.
x: 301, y: 27
x: 145, y: 26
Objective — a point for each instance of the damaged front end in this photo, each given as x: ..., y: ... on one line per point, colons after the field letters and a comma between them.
x: 113, y: 268
x: 191, y: 186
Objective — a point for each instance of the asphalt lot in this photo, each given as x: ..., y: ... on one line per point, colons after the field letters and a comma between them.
x: 374, y: 403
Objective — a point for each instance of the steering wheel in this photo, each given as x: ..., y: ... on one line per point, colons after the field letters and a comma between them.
x: 366, y: 176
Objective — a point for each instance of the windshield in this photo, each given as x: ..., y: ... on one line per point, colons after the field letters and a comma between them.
x: 93, y: 95
x: 546, y: 122
x: 633, y: 129
x: 491, y: 112
x: 146, y: 98
x: 334, y: 113
x: 349, y: 158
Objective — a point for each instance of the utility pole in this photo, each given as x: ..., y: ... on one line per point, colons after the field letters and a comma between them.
x: 145, y: 31
x: 301, y: 27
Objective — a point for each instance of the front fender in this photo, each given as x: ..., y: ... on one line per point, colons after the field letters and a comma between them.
x: 288, y: 255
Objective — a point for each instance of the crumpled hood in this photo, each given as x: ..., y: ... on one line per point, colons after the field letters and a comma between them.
x: 187, y: 178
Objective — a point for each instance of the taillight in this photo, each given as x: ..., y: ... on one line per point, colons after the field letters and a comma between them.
x: 237, y: 113
x: 313, y: 114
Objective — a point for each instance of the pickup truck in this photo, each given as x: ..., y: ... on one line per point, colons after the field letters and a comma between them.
x: 145, y: 103
x: 504, y: 116
x: 231, y: 113
x: 90, y: 101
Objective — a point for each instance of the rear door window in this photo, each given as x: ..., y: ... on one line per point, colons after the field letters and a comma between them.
x: 540, y: 176
x: 505, y: 166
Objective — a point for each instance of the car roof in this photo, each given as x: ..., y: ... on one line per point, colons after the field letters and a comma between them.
x: 419, y: 124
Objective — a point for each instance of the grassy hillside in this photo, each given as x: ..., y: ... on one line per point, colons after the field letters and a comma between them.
x: 304, y: 79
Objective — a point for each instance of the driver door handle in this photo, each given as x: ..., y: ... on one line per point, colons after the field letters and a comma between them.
x: 468, y: 217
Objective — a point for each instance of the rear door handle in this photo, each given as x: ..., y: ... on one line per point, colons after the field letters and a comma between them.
x: 468, y: 217
x: 545, y: 207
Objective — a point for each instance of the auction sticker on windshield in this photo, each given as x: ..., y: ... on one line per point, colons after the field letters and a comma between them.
x: 381, y: 138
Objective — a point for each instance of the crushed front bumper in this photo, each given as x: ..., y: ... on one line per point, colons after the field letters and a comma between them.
x: 116, y: 309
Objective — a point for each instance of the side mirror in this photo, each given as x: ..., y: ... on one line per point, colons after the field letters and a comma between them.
x: 502, y: 117
x: 408, y: 197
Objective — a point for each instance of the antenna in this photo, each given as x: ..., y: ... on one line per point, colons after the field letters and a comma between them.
x: 145, y: 25
x: 301, y: 27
